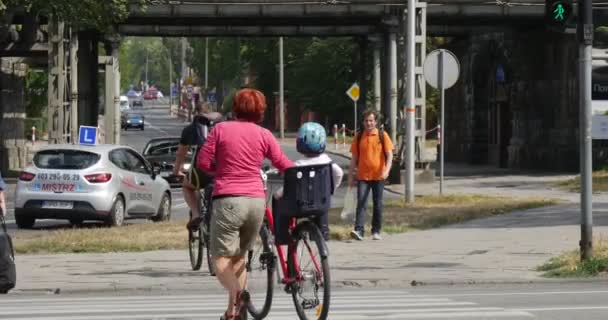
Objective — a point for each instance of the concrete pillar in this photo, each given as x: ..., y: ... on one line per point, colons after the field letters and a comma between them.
x: 73, y: 87
x: 112, y: 108
x: 88, y: 78
x: 13, y: 147
x: 363, y: 84
x: 392, y: 70
x: 377, y: 67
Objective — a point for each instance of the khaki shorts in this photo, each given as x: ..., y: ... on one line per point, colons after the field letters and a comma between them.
x: 235, y: 224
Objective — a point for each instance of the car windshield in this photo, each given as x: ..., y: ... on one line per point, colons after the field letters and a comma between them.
x: 135, y: 116
x: 161, y: 147
x: 65, y: 159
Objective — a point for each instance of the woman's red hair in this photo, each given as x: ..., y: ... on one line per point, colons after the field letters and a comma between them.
x: 249, y: 104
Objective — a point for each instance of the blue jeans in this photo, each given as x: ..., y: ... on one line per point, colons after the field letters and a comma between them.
x: 363, y: 188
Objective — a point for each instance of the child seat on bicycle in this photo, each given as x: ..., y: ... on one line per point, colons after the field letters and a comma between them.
x: 307, y: 192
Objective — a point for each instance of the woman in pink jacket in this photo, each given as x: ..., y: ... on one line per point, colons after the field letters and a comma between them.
x: 234, y: 151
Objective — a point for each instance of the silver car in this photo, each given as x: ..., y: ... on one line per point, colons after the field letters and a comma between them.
x: 80, y: 182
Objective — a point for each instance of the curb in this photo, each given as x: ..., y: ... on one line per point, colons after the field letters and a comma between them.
x: 341, y: 284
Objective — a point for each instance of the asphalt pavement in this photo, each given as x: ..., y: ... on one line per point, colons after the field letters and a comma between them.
x: 501, y: 249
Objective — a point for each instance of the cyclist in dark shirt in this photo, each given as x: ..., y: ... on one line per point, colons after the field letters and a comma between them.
x: 194, y: 135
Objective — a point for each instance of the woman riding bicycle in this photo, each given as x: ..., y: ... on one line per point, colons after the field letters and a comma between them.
x: 234, y: 151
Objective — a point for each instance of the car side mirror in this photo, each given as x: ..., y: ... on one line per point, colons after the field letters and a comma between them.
x: 156, y: 169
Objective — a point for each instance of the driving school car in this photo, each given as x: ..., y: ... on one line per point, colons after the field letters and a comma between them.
x: 81, y: 182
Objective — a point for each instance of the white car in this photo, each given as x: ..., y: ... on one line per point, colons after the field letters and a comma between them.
x: 80, y: 182
x: 124, y: 103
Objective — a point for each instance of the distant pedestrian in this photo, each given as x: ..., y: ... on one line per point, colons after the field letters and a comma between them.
x: 372, y: 157
x: 2, y: 199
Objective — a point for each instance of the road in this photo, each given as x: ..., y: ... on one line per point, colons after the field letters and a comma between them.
x: 515, y: 302
x: 158, y: 123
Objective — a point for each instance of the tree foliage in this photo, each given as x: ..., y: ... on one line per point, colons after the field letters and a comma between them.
x: 81, y: 14
x: 136, y: 53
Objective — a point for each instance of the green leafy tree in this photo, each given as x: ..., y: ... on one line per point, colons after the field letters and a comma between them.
x: 82, y: 14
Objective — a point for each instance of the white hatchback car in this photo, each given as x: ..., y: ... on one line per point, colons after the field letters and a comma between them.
x: 80, y: 182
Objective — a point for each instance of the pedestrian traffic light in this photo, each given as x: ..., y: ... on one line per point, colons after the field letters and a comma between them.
x: 558, y: 14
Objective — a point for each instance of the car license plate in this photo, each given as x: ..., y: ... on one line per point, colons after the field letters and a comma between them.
x: 57, y: 205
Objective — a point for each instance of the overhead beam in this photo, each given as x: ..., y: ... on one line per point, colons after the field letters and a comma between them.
x: 185, y: 31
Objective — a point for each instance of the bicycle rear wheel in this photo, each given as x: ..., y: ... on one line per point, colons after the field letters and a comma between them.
x: 308, y: 264
x: 261, y: 266
x: 195, y: 246
x: 206, y: 231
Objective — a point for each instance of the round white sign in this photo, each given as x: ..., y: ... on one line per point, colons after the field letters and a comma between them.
x: 434, y: 70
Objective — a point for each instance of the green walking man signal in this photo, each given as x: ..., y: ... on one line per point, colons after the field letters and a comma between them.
x: 558, y: 14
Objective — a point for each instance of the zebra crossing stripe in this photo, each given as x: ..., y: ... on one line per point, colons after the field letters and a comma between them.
x: 369, y: 305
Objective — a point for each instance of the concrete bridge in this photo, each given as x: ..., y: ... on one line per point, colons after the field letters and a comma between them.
x: 487, y: 116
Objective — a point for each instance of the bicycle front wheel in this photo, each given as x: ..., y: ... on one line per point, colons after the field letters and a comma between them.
x: 195, y: 246
x: 261, y: 266
x: 308, y: 265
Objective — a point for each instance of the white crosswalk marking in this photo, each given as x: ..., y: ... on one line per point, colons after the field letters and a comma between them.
x: 352, y: 305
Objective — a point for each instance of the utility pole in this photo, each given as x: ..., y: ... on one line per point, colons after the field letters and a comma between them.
x: 170, y: 80
x: 585, y: 35
x: 410, y: 104
x: 281, y: 91
x: 206, y: 63
x: 146, y: 68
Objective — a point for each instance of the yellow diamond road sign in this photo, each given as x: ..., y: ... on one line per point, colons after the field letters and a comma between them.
x: 353, y: 92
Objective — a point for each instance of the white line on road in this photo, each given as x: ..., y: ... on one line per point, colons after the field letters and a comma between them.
x: 483, y: 294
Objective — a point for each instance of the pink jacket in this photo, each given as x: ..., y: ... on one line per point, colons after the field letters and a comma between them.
x: 235, y: 151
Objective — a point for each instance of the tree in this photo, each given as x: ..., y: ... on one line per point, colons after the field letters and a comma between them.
x: 81, y: 14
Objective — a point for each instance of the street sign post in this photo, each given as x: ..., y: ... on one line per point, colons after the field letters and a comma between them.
x: 441, y: 70
x: 87, y: 135
x: 353, y: 92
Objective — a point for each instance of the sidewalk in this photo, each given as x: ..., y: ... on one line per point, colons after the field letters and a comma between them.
x: 499, y: 249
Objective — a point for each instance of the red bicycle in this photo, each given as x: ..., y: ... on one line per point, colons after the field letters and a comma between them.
x: 304, y: 270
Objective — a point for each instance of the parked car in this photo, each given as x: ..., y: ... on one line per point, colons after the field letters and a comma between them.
x: 124, y: 104
x: 161, y: 152
x: 81, y: 182
x: 132, y: 120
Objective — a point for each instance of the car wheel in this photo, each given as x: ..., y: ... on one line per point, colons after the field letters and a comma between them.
x: 117, y: 213
x: 24, y: 222
x: 142, y: 128
x: 164, y: 210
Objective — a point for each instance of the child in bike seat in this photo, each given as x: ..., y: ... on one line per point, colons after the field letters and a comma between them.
x: 310, y: 143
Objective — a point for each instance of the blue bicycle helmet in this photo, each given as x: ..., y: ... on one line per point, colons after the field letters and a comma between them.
x: 311, y: 138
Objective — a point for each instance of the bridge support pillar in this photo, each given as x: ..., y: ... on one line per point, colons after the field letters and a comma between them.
x: 112, y: 106
x: 377, y: 67
x: 392, y: 83
x: 13, y: 147
x: 88, y: 77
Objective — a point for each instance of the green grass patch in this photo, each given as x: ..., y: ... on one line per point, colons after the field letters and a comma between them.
x: 100, y: 239
x: 436, y: 211
x: 399, y: 217
x: 599, y: 182
x: 569, y: 265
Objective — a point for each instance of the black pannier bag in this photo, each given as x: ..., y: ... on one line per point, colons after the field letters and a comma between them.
x: 307, y: 193
x: 8, y: 275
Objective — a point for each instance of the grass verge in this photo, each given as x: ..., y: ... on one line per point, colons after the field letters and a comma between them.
x: 434, y: 211
x: 599, y: 180
x: 132, y: 237
x: 427, y: 212
x: 569, y: 265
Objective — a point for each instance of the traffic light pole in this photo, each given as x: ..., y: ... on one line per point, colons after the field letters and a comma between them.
x: 585, y: 33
